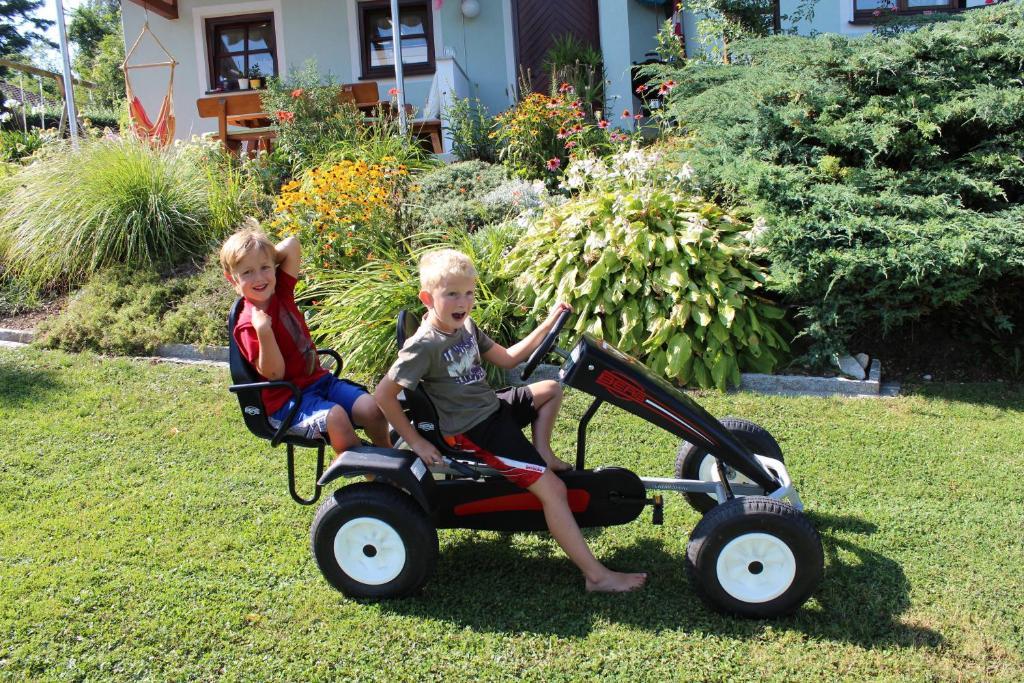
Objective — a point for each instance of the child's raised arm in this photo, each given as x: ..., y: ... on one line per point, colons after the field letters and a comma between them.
x: 288, y: 255
x: 520, y: 351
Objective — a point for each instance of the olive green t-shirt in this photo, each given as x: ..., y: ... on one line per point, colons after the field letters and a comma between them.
x: 452, y: 373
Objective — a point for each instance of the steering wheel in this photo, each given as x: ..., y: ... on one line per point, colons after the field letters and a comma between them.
x: 545, y: 345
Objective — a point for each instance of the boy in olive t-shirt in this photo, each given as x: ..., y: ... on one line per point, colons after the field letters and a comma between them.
x: 445, y: 355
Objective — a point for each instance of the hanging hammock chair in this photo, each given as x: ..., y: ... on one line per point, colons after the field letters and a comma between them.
x: 159, y: 131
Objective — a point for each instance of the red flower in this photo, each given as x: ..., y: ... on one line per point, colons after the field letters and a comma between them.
x: 285, y: 116
x: 625, y: 114
x: 564, y: 87
x: 602, y: 124
x: 637, y: 117
x: 640, y: 89
x: 393, y: 92
x: 297, y: 93
x: 554, y: 163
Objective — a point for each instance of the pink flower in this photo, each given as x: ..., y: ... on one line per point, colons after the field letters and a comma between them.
x: 637, y: 117
x: 570, y: 144
x: 564, y: 87
x: 640, y: 89
x: 562, y: 132
x: 877, y: 13
x: 297, y: 93
x: 554, y: 163
x: 393, y: 92
x: 577, y: 128
x: 625, y: 114
x: 666, y: 86
x: 602, y: 124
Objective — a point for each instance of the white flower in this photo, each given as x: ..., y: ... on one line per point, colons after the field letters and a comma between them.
x: 38, y: 109
x: 11, y: 104
x: 5, y: 117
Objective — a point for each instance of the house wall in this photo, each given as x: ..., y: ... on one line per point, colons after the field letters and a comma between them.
x: 321, y: 30
x: 622, y: 49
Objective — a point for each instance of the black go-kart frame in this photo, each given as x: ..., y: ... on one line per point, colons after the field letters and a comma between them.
x: 753, y: 553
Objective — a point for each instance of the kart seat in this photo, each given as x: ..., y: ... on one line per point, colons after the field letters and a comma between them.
x: 248, y: 386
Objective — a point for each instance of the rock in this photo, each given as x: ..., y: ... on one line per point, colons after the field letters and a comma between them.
x: 927, y: 378
x: 849, y: 367
x: 864, y: 360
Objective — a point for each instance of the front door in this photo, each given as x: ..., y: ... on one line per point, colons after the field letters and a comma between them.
x: 539, y: 23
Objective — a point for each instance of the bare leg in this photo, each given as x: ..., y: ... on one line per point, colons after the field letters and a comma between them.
x: 367, y: 415
x: 551, y: 491
x: 339, y: 430
x: 547, y: 399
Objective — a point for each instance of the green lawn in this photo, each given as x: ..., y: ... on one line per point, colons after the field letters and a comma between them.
x: 145, y: 534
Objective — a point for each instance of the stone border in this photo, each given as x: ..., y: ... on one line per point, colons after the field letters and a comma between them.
x: 790, y: 385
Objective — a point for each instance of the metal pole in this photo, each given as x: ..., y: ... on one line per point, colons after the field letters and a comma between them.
x: 396, y: 41
x: 42, y: 104
x: 69, y: 91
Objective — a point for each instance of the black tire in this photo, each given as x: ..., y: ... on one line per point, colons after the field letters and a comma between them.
x: 690, y: 459
x: 772, y: 559
x: 371, y: 540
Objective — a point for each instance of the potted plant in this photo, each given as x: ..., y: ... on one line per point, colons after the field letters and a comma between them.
x: 255, y: 77
x: 243, y: 83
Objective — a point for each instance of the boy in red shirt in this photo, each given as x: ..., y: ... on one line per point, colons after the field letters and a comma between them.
x: 272, y: 335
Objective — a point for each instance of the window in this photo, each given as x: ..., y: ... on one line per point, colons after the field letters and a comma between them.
x: 234, y: 45
x: 377, y: 42
x: 873, y: 9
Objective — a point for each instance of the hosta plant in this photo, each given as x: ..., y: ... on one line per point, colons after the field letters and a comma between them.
x: 653, y: 269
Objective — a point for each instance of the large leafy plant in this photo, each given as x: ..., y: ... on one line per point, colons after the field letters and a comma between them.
x: 654, y: 269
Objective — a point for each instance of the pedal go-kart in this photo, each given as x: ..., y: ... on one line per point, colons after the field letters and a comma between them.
x: 753, y: 553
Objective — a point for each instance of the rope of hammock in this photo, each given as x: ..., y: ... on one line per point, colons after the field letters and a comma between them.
x: 160, y: 130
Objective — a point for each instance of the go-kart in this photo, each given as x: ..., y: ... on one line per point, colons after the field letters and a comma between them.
x: 753, y: 553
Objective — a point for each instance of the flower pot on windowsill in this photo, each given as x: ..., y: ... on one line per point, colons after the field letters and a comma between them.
x: 255, y: 83
x: 243, y: 83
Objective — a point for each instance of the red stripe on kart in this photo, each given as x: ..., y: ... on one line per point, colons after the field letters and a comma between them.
x: 579, y: 500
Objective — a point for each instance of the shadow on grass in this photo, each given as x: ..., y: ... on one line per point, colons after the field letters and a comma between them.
x: 485, y: 584
x: 1002, y: 395
x: 23, y: 386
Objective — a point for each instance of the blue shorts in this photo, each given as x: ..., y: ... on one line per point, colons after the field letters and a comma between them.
x: 317, y: 400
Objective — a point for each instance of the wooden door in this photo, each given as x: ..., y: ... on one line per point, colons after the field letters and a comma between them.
x: 538, y: 23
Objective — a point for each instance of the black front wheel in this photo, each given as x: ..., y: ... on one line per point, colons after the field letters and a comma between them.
x: 693, y: 462
x: 371, y: 540
x: 755, y: 557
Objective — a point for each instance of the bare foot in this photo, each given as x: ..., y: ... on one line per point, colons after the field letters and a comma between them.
x: 617, y: 582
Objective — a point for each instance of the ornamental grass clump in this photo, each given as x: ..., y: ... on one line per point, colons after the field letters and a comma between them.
x: 111, y: 202
x: 654, y: 269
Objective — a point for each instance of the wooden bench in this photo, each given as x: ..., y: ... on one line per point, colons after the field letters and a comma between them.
x: 244, y: 110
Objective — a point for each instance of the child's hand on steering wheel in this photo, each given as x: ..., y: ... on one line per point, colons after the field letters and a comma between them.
x: 427, y: 452
x: 556, y: 311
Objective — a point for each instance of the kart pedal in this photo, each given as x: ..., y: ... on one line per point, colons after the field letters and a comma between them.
x: 657, y: 516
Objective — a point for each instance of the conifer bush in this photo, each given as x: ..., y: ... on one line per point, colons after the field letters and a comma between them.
x: 890, y: 169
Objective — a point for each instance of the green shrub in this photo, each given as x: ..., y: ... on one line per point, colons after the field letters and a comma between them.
x: 355, y: 311
x: 15, y: 296
x: 578, y: 65
x: 124, y: 312
x: 654, y: 270
x: 451, y: 197
x: 16, y: 145
x: 310, y: 119
x: 470, y: 126
x: 113, y: 202
x: 890, y: 170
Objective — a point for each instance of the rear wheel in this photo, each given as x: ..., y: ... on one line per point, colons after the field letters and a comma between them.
x: 755, y: 557
x: 693, y: 462
x: 372, y: 540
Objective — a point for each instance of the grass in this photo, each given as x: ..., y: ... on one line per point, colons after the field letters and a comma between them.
x: 145, y: 534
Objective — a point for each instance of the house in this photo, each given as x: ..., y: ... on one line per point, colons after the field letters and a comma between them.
x: 451, y: 48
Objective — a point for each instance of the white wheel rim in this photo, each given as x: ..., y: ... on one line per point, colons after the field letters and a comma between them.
x: 706, y: 473
x: 369, y: 550
x: 756, y: 567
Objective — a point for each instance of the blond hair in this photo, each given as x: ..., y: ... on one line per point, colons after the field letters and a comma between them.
x: 248, y: 238
x: 437, y: 266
